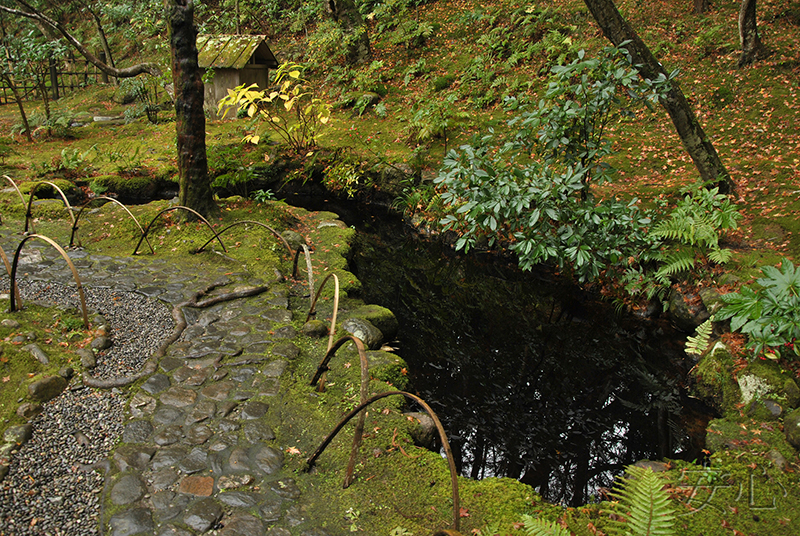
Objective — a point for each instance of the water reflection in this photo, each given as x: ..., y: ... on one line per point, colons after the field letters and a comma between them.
x: 532, y: 378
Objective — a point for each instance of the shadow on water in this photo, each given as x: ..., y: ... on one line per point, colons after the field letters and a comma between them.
x: 533, y: 378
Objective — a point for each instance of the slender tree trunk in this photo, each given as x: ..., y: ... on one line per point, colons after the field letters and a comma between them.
x: 346, y: 14
x: 101, y: 34
x: 701, y: 6
x: 752, y: 48
x: 195, y: 185
x: 694, y: 139
x: 9, y: 80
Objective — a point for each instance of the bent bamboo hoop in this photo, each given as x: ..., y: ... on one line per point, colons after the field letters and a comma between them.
x: 264, y: 225
x: 309, y: 269
x: 8, y: 269
x: 16, y: 303
x: 14, y: 184
x: 29, y: 215
x: 105, y: 197
x: 187, y: 209
x: 442, y: 436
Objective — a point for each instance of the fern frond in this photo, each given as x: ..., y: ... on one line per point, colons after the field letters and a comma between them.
x: 720, y: 256
x: 676, y: 262
x: 538, y: 527
x: 697, y: 345
x: 644, y: 504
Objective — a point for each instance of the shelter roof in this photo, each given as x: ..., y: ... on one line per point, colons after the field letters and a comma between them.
x: 234, y: 51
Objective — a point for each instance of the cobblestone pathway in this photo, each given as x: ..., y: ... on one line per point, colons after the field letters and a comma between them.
x: 198, y: 451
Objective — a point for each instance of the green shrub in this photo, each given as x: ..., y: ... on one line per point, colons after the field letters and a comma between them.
x: 441, y: 83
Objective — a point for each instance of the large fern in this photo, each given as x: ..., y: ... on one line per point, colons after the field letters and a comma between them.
x: 643, y: 504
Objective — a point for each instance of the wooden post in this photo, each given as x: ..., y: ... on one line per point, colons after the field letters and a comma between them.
x: 103, y: 75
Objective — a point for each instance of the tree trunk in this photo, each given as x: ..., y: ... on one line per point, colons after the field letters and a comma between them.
x: 701, y: 6
x: 346, y: 14
x: 190, y: 119
x: 9, y: 80
x: 752, y: 48
x: 694, y: 139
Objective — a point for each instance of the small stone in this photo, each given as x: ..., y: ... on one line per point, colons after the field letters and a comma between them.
x: 87, y: 357
x: 258, y: 432
x: 286, y: 488
x: 202, y: 515
x: 137, y: 432
x: 315, y: 328
x: 199, y: 434
x: 239, y: 499
x: 178, y: 396
x: 196, y: 461
x: 274, y: 369
x: 38, y: 353
x: 254, y: 410
x: 128, y: 489
x: 142, y: 404
x: 101, y: 343
x: 18, y: 435
x: 130, y: 522
x: 168, y: 457
x: 268, y: 459
x: 235, y: 481
x: 287, y: 349
x: 133, y: 457
x: 66, y: 372
x: 156, y: 383
x: 365, y: 331
x: 168, y: 435
x: 285, y: 332
x: 47, y: 388
x: 29, y: 410
x: 163, y: 479
x: 10, y: 323
x: 242, y: 525
x: 202, y: 486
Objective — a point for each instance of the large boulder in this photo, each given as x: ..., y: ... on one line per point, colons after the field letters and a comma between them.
x: 364, y: 330
x: 380, y: 317
x: 47, y: 388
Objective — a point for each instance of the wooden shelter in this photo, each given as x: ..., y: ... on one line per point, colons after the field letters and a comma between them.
x: 235, y: 60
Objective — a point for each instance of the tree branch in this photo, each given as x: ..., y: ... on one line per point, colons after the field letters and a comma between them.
x: 127, y: 72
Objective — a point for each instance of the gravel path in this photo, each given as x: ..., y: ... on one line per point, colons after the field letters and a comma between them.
x: 51, y: 488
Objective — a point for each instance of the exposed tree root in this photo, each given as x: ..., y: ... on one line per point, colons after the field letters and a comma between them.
x: 180, y: 324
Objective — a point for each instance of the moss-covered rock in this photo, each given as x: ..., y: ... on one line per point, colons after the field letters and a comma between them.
x: 380, y: 317
x: 143, y: 187
x: 388, y: 367
x: 791, y: 427
x: 713, y: 380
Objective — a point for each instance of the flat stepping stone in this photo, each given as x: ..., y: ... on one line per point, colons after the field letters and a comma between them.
x: 202, y: 515
x: 137, y: 432
x: 127, y: 490
x: 130, y: 522
x: 156, y: 383
x: 133, y: 457
x: 254, y: 410
x: 178, y: 396
x: 242, y: 525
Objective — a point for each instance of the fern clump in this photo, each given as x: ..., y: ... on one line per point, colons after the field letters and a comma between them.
x: 643, y: 504
x: 538, y: 527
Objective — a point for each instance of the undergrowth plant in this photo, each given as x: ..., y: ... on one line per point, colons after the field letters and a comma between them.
x: 642, y: 508
x: 291, y: 110
x: 768, y: 314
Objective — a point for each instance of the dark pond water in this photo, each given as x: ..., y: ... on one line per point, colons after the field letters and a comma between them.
x: 533, y: 378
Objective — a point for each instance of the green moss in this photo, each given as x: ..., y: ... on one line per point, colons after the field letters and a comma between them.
x: 380, y: 317
x: 714, y: 383
x: 389, y: 368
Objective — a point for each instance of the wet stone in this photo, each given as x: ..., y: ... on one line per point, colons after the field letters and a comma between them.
x: 219, y: 375
x: 242, y: 525
x: 226, y: 408
x: 168, y: 435
x: 178, y: 396
x: 270, y: 508
x: 182, y: 374
x: 239, y: 460
x: 267, y: 459
x: 243, y: 374
x: 196, y: 461
x: 254, y: 410
x: 128, y: 489
x: 278, y: 531
x: 198, y: 377
x: 141, y: 405
x: 274, y: 369
x: 47, y: 388
x: 286, y: 488
x: 156, y: 383
x: 137, y: 432
x: 243, y: 395
x: 133, y: 457
x: 163, y: 479
x: 168, y: 415
x: 294, y: 515
x: 169, y: 505
x: 199, y: 434
x: 168, y: 457
x: 268, y: 386
x: 88, y: 360
x: 316, y: 531
x: 258, y: 347
x: 170, y: 363
x: 235, y: 481
x: 130, y: 522
x: 218, y: 391
x: 29, y: 410
x: 18, y: 435
x: 101, y: 343
x: 280, y: 316
x: 286, y: 332
x: 239, y: 499
x: 227, y: 425
x: 256, y: 432
x: 202, y: 486
x: 287, y: 349
x: 203, y: 410
x: 174, y: 530
x: 151, y: 292
x: 202, y: 515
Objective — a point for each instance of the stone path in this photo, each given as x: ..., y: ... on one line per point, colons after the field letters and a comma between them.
x: 198, y: 452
